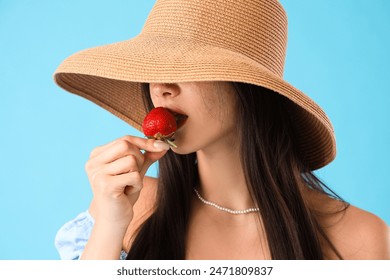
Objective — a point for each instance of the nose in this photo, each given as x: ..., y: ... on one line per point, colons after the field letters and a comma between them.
x: 164, y: 90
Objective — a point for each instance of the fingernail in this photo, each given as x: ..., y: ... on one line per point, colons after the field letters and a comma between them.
x: 161, y: 145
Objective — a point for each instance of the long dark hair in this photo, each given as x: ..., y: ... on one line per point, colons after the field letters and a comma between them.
x: 275, y: 176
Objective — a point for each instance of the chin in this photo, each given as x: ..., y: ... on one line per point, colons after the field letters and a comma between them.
x: 180, y: 150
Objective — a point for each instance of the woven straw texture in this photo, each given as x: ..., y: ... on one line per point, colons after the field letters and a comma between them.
x: 199, y: 40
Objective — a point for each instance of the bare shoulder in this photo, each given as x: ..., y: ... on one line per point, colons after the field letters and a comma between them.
x: 359, y: 234
x: 143, y: 208
x: 356, y: 233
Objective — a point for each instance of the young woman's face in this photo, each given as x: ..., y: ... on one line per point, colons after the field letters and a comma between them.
x: 209, y: 108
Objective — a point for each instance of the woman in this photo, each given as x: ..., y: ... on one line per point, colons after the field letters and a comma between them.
x: 240, y: 184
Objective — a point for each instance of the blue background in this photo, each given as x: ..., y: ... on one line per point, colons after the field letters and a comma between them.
x: 338, y: 53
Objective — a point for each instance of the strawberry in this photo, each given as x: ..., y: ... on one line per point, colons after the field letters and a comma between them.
x: 160, y: 124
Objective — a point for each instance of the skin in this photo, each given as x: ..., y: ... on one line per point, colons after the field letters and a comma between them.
x: 123, y: 196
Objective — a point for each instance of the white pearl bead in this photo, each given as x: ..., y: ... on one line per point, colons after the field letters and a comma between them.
x: 231, y: 211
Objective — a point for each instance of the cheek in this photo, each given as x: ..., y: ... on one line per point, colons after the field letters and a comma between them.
x: 219, y: 103
x: 219, y: 116
x: 213, y: 118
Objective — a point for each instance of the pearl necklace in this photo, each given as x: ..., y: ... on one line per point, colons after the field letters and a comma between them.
x: 231, y: 211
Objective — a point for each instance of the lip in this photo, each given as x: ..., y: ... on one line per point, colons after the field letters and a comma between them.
x: 180, y: 116
x: 180, y: 122
x: 175, y: 111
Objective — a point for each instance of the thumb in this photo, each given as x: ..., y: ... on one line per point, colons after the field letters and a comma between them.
x: 149, y: 159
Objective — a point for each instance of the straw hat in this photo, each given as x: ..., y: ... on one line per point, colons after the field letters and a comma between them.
x: 199, y: 40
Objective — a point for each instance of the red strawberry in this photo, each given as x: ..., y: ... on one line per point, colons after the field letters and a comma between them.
x: 160, y: 124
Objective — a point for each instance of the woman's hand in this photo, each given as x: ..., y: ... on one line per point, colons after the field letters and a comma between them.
x: 116, y: 173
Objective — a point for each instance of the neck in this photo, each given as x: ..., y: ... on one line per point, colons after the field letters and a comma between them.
x: 222, y: 179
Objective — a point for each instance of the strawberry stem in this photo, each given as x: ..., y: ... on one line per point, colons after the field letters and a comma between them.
x: 171, y: 143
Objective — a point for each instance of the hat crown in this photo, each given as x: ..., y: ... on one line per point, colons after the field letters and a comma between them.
x: 254, y: 28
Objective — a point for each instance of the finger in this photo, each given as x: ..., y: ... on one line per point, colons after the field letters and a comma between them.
x: 150, y: 145
x: 98, y: 150
x: 149, y: 159
x: 130, y: 144
x: 130, y: 183
x: 115, y: 186
x: 118, y: 150
x: 122, y: 165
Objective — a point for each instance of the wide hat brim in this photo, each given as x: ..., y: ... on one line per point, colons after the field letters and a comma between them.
x: 110, y: 76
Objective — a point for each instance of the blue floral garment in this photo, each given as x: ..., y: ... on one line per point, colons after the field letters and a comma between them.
x: 72, y: 237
